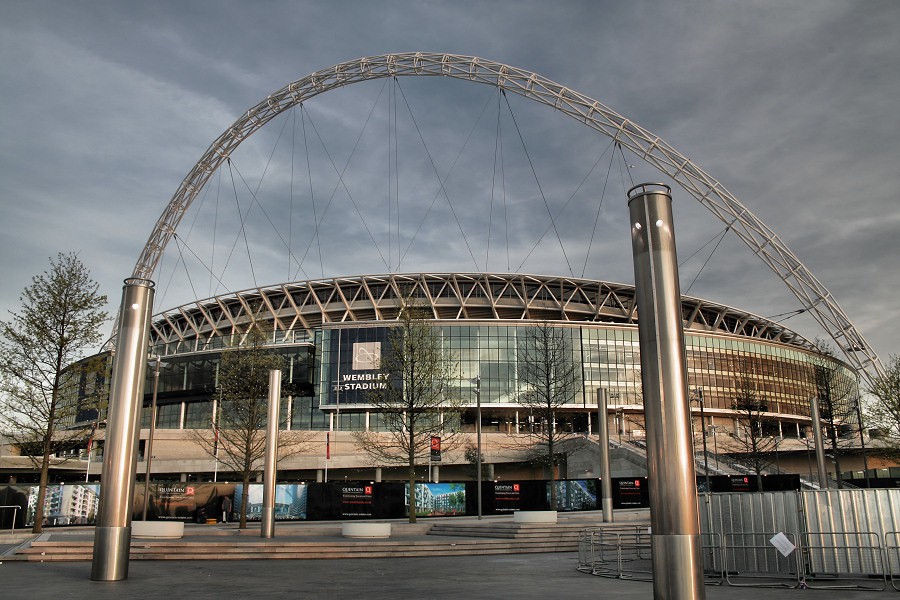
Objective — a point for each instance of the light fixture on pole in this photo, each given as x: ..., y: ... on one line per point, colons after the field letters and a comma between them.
x: 157, y: 363
x: 477, y: 382
x: 699, y: 391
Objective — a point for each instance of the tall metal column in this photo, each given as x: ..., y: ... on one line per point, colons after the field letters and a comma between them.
x: 267, y: 529
x: 822, y: 472
x: 605, y: 477
x: 674, y: 516
x: 112, y: 535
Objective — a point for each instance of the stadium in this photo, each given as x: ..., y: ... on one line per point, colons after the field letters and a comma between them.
x: 328, y: 328
x: 319, y: 327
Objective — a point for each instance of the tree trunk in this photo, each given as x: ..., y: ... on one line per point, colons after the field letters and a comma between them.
x: 553, y: 500
x: 42, y: 492
x: 412, y: 479
x: 837, y: 460
x: 245, y: 499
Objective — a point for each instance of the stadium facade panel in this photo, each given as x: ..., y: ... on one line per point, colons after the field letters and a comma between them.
x: 330, y: 332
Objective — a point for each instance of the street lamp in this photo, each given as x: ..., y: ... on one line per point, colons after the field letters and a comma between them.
x: 477, y: 382
x: 775, y: 439
x: 699, y: 392
x: 862, y: 443
x: 157, y: 363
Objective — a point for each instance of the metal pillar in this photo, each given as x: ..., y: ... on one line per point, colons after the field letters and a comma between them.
x: 820, y: 444
x: 605, y: 477
x: 267, y: 528
x: 674, y: 516
x: 112, y: 535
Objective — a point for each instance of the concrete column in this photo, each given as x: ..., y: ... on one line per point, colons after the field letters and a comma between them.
x: 267, y: 526
x: 378, y: 474
x: 112, y: 535
x: 320, y: 475
x: 674, y: 516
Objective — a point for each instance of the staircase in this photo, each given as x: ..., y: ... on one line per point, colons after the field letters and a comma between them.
x: 467, y: 538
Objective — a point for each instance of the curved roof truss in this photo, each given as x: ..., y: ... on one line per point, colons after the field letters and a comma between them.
x: 813, y: 296
x: 296, y: 309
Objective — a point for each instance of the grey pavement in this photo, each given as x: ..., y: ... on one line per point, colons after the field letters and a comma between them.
x: 519, y: 577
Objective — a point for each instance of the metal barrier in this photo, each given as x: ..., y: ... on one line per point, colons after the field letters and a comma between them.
x: 713, y: 554
x: 15, y: 508
x: 625, y: 554
x: 752, y: 560
x: 892, y: 557
x: 594, y: 548
x: 848, y: 555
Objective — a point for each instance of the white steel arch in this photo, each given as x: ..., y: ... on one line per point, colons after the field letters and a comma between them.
x: 813, y: 296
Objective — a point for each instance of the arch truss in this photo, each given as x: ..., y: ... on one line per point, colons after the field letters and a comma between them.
x: 813, y: 296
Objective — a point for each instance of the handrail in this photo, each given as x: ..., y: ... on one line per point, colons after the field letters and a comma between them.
x: 15, y: 512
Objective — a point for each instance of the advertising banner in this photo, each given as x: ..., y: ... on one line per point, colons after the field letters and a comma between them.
x: 742, y: 483
x: 66, y: 504
x: 291, y: 501
x: 435, y: 449
x: 630, y: 492
x: 174, y: 501
x: 440, y: 499
x: 10, y: 496
x: 507, y: 497
x: 576, y: 494
x: 357, y: 500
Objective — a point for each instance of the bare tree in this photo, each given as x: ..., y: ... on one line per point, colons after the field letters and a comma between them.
x: 836, y: 392
x: 415, y: 404
x: 242, y: 389
x: 550, y: 377
x: 755, y: 447
x: 60, y: 317
x: 884, y: 409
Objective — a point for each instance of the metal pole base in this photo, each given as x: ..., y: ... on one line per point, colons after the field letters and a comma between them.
x: 607, y: 510
x: 677, y: 569
x: 267, y: 527
x: 111, y: 551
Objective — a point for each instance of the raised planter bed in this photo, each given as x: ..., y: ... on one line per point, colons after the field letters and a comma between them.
x: 534, y: 516
x: 167, y: 530
x: 366, y: 530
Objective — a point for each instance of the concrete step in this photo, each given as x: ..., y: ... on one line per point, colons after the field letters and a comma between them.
x: 509, y: 530
x: 205, y: 550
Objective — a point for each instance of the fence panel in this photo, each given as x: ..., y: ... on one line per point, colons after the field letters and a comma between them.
x: 892, y: 557
x: 752, y: 560
x: 843, y: 555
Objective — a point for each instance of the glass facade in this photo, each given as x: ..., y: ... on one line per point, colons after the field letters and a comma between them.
x: 332, y: 333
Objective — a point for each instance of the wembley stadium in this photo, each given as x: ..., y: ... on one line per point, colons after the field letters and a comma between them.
x: 317, y: 325
x: 482, y: 319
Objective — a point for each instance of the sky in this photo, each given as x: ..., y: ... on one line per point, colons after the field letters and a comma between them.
x: 790, y: 104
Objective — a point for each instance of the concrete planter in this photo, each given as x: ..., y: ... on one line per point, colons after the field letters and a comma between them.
x: 169, y: 530
x: 366, y: 530
x: 534, y: 516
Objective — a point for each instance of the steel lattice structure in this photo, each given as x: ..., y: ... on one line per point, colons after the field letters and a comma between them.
x: 303, y: 306
x: 813, y: 296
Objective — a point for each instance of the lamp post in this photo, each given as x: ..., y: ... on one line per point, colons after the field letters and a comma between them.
x: 157, y: 364
x: 775, y: 439
x: 699, y: 392
x: 477, y: 382
x: 862, y: 443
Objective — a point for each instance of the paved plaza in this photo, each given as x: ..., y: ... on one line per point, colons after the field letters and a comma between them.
x: 519, y: 577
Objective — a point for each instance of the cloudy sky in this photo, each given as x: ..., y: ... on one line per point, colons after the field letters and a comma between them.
x: 791, y: 104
